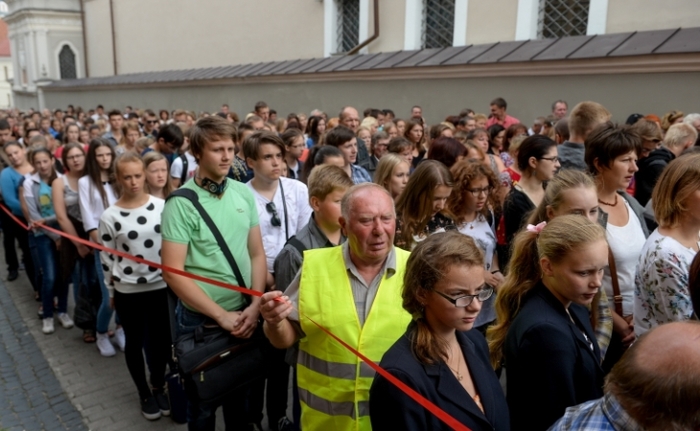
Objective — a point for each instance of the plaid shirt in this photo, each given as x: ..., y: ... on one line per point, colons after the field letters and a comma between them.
x: 604, y: 326
x: 604, y: 414
x: 360, y: 175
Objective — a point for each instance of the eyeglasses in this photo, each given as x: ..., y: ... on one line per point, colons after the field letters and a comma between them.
x: 477, y: 192
x: 551, y: 159
x: 152, y: 121
x: 272, y: 209
x: 466, y: 300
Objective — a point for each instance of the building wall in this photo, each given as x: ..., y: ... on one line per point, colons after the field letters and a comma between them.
x: 182, y: 34
x: 392, y: 20
x: 491, y: 21
x: 527, y: 97
x: 626, y: 15
x: 5, y: 87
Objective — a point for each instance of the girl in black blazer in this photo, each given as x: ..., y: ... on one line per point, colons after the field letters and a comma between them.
x: 552, y: 360
x: 438, y: 356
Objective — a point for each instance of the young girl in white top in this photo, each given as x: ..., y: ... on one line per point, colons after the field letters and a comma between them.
x: 471, y: 206
x: 96, y: 193
x: 138, y: 291
x: 37, y: 195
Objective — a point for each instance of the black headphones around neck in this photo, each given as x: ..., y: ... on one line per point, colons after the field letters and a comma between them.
x: 212, y: 187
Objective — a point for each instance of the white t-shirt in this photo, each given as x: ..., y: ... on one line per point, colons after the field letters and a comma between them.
x: 176, y: 168
x: 296, y: 197
x: 91, y: 205
x: 626, y: 243
x: 485, y: 238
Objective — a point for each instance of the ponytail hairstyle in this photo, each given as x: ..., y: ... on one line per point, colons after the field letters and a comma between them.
x: 426, y: 266
x: 39, y: 150
x: 93, y: 170
x: 415, y: 204
x: 562, y: 236
x: 566, y: 179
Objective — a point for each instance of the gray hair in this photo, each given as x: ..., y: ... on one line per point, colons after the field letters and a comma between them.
x: 691, y: 119
x: 346, y: 204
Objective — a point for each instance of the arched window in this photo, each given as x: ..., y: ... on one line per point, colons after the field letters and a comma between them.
x: 66, y: 61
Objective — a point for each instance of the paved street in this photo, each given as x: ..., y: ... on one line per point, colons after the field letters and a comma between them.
x: 57, y: 382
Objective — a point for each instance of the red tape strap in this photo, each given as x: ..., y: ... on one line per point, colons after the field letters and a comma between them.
x: 426, y: 403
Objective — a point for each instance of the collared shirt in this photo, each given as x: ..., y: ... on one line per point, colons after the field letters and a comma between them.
x: 362, y: 292
x: 359, y: 175
x: 112, y: 140
x: 603, y: 414
x: 289, y: 260
x: 507, y: 122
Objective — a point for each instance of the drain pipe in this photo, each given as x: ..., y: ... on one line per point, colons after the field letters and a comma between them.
x: 114, y: 39
x: 85, y: 47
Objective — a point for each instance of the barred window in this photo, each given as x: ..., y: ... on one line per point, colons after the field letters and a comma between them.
x: 438, y: 23
x: 66, y: 61
x: 348, y: 24
x: 559, y: 18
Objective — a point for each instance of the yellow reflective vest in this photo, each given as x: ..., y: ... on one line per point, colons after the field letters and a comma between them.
x: 334, y: 383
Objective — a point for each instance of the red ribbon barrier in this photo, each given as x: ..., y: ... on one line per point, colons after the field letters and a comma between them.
x: 426, y: 403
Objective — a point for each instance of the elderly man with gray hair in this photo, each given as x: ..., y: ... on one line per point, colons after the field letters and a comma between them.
x: 654, y: 387
x: 353, y: 290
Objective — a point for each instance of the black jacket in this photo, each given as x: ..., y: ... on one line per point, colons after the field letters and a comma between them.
x: 391, y: 409
x: 549, y: 363
x: 649, y: 170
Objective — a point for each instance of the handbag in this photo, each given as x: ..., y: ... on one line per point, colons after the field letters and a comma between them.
x: 213, y: 362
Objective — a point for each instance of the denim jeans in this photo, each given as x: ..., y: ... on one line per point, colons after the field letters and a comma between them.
x: 50, y: 287
x: 34, y: 277
x: 201, y: 416
x: 104, y: 314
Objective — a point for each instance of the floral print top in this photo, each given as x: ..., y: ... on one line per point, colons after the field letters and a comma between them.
x: 438, y: 223
x: 661, y: 293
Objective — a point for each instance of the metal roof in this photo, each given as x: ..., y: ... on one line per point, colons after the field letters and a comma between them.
x: 671, y: 41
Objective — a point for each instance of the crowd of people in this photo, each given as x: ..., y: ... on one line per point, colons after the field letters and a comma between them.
x: 523, y: 277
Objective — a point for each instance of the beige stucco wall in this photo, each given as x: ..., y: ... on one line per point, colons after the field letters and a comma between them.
x: 183, y: 34
x: 491, y: 21
x: 392, y: 21
x: 99, y: 38
x: 527, y: 97
x: 626, y: 15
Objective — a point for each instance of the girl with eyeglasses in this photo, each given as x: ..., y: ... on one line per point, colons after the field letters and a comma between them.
x: 66, y: 204
x: 439, y: 356
x: 472, y: 205
x: 543, y: 336
x: 538, y: 162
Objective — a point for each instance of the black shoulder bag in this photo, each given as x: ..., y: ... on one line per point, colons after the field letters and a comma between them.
x: 214, y: 362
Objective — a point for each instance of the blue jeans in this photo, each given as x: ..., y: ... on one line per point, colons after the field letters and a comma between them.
x: 36, y: 276
x: 104, y: 314
x: 201, y: 416
x: 50, y: 287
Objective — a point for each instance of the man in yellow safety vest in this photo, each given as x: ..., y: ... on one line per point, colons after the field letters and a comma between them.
x: 353, y: 290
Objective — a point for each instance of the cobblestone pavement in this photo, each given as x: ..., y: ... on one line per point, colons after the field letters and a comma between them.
x: 57, y: 382
x: 31, y: 397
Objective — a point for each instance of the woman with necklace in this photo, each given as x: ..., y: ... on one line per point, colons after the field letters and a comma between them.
x: 471, y: 205
x: 611, y: 156
x: 662, y: 292
x: 439, y: 356
x: 538, y: 162
x: 543, y: 336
